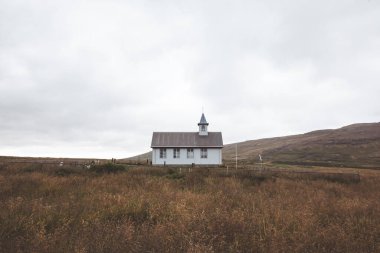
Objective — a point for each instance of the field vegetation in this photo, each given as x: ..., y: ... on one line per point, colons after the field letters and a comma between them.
x: 48, y: 208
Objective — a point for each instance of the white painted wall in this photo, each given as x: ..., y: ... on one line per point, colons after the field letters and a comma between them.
x: 214, y: 157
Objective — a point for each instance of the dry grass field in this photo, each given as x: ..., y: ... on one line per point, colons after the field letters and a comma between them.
x: 45, y: 208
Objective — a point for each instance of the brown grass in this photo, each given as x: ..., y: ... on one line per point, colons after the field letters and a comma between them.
x: 49, y: 209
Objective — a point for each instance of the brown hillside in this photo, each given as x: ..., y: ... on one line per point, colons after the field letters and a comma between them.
x: 354, y: 145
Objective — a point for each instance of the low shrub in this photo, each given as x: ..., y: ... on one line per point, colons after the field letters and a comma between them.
x: 34, y: 167
x: 63, y: 172
x: 108, y: 168
x: 172, y: 174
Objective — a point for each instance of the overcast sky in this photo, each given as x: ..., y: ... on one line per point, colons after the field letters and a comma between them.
x: 96, y: 78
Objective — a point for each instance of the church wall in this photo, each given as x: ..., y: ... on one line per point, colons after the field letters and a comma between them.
x: 214, y: 157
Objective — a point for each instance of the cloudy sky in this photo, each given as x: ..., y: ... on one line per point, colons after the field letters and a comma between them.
x: 96, y: 78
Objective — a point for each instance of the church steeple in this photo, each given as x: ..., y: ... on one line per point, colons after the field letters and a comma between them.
x: 203, y: 125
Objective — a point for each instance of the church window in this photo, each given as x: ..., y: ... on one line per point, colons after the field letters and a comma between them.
x: 190, y: 153
x: 162, y: 152
x: 176, y: 153
x: 203, y: 152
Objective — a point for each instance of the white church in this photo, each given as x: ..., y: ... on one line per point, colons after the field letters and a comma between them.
x: 187, y: 148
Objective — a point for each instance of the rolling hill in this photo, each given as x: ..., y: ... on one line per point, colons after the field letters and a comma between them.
x: 356, y: 145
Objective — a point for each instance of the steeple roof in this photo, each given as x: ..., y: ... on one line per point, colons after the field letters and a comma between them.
x: 203, y: 120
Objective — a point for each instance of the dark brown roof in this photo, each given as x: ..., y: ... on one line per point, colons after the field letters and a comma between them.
x: 186, y: 139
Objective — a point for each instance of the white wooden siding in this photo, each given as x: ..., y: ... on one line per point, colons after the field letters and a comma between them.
x: 214, y: 157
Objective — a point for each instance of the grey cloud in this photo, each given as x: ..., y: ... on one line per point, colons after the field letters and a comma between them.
x: 81, y: 78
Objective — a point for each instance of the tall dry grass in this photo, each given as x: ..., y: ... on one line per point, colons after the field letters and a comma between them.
x: 161, y: 210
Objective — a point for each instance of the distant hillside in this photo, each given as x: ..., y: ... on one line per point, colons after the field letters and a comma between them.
x: 143, y: 157
x: 18, y: 159
x: 355, y: 145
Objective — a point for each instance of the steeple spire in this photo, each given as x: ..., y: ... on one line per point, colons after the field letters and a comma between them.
x: 203, y: 120
x: 203, y: 125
